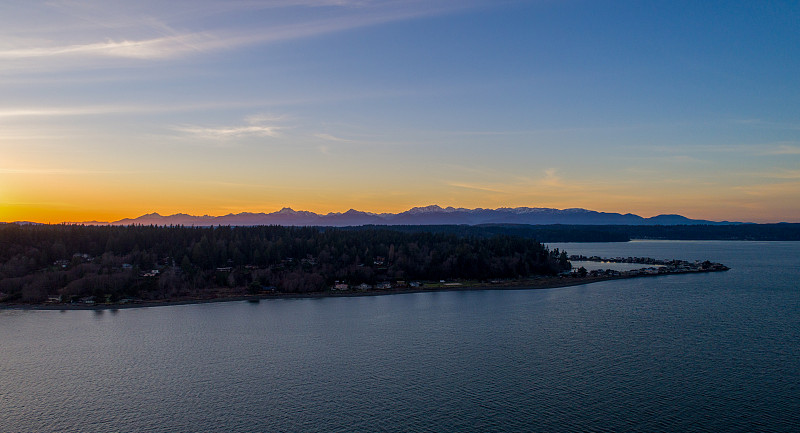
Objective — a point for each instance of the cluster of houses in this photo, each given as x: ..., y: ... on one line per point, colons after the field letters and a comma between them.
x: 656, y: 266
x: 384, y: 285
x: 86, y: 300
x: 77, y: 257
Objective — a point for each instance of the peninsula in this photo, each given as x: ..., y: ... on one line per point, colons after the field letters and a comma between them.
x: 68, y: 266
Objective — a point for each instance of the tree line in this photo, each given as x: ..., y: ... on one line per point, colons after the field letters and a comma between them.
x: 618, y: 233
x: 151, y: 262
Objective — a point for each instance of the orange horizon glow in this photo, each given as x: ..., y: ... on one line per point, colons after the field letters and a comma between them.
x: 40, y: 214
x: 55, y: 197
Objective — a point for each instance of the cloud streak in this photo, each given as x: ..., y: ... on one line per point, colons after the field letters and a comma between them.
x: 60, y: 171
x: 784, y: 149
x: 138, y: 46
x: 475, y: 187
x: 90, y: 110
x: 329, y: 137
x: 777, y: 190
x: 257, y: 125
x: 226, y: 132
x: 158, y: 48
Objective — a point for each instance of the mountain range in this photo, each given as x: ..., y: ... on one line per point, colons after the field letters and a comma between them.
x: 427, y: 215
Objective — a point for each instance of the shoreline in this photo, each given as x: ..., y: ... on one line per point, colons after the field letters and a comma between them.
x: 531, y: 284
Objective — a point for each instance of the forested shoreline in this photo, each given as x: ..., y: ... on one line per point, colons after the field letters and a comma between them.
x: 66, y: 263
x: 617, y: 233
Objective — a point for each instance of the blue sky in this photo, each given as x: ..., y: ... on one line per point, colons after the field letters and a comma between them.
x: 112, y: 109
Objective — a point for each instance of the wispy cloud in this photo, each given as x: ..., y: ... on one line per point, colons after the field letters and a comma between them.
x: 148, y: 37
x: 779, y: 174
x: 780, y: 189
x: 784, y: 149
x: 475, y: 187
x: 89, y: 110
x: 53, y: 111
x: 551, y: 178
x: 550, y: 181
x: 60, y: 171
x: 157, y: 48
x: 224, y: 132
x: 98, y: 109
x: 767, y: 124
x: 256, y: 119
x: 256, y: 125
x: 329, y: 137
x: 758, y: 149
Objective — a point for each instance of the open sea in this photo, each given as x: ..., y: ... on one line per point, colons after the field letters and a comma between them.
x: 716, y: 352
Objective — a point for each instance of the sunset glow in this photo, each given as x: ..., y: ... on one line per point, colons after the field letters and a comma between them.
x: 114, y: 109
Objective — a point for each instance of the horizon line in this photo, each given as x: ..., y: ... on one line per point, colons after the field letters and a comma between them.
x: 156, y: 214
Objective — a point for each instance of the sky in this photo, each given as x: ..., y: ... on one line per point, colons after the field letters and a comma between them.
x: 116, y: 108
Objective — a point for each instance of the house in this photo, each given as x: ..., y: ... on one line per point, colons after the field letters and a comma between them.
x: 364, y: 287
x: 340, y: 286
x: 82, y: 257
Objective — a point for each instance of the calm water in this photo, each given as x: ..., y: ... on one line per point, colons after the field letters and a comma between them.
x: 713, y: 352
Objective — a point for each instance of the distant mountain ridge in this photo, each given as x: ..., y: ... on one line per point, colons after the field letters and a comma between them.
x: 427, y: 215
